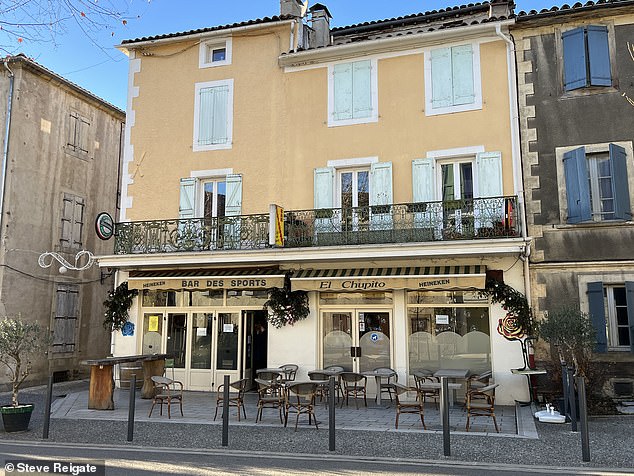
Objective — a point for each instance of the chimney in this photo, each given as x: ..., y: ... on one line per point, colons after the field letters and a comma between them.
x: 320, y: 17
x: 501, y: 8
x: 292, y: 8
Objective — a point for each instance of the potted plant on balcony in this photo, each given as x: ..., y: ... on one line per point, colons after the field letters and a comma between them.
x: 19, y: 339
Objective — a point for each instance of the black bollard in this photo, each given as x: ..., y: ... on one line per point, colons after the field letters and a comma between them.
x: 225, y: 412
x: 572, y: 399
x: 583, y: 416
x: 131, y: 408
x: 444, y: 410
x: 564, y: 380
x: 47, y: 408
x: 331, y: 414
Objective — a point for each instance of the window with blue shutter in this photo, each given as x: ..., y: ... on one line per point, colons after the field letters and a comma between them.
x: 233, y: 208
x: 323, y: 185
x: 586, y: 55
x: 427, y: 210
x: 577, y: 186
x: 214, y: 115
x: 597, y: 315
x: 597, y: 185
x: 381, y: 196
x: 352, y: 96
x: 187, y: 203
x: 489, y: 213
x: 452, y: 76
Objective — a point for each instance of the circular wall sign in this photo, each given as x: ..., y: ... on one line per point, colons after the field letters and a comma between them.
x: 104, y: 226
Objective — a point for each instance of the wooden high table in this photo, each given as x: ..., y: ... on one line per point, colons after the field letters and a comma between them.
x: 101, y: 390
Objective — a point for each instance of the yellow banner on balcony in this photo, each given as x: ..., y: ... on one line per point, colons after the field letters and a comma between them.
x: 276, y: 225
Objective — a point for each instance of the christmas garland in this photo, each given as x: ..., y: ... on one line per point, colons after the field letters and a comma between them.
x: 286, y: 306
x: 117, y: 306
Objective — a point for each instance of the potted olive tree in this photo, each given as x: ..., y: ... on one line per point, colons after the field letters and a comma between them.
x: 19, y: 339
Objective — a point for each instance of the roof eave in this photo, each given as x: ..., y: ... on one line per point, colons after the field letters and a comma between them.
x: 325, y: 54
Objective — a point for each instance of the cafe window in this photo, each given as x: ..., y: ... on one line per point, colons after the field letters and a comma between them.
x: 160, y: 298
x: 339, y: 299
x: 247, y: 297
x: 448, y: 330
x: 211, y: 297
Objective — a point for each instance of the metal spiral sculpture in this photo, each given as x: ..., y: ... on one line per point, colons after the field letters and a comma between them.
x: 53, y: 256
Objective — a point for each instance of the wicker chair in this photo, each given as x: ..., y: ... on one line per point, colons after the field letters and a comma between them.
x: 166, y: 390
x: 300, y: 397
x: 270, y: 395
x: 388, y: 377
x: 422, y: 377
x: 235, y: 399
x: 353, y: 385
x: 402, y: 406
x: 481, y: 402
x: 289, y: 371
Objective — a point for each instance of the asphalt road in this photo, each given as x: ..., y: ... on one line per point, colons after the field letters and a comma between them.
x: 142, y: 461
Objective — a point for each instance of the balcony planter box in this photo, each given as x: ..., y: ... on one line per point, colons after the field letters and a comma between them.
x: 16, y: 418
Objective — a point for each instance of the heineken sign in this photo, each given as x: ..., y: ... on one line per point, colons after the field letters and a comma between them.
x: 104, y: 226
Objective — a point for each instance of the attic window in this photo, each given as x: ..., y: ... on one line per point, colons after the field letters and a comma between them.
x: 215, y: 53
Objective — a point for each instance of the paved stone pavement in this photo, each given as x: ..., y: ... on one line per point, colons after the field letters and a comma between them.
x: 199, y: 408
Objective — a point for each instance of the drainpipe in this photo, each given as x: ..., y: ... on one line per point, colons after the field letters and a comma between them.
x: 5, y: 155
x: 518, y: 182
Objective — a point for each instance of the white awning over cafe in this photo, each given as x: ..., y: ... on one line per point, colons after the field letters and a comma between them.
x: 201, y: 279
x: 424, y: 278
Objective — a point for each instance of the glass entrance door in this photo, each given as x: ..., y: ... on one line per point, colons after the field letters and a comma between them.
x: 205, y: 346
x: 357, y: 340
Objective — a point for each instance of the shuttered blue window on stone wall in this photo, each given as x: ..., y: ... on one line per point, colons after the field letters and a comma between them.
x: 611, y: 309
x: 586, y: 57
x: 597, y: 185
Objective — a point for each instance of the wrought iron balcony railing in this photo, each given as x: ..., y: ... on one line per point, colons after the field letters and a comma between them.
x: 479, y: 218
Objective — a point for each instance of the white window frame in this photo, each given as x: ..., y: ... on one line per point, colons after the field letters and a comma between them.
x: 456, y: 161
x: 211, y: 84
x: 374, y: 95
x: 610, y: 314
x: 200, y: 205
x: 477, y: 83
x: 355, y: 184
x: 205, y: 60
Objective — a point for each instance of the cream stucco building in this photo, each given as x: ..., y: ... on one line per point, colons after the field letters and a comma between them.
x: 392, y: 148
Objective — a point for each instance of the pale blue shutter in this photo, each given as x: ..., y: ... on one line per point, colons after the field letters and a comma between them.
x: 599, y: 56
x: 575, y: 61
x: 221, y: 104
x: 324, y: 180
x: 441, y: 76
x: 618, y: 164
x: 187, y: 205
x: 429, y: 215
x: 342, y: 85
x: 233, y: 210
x: 361, y: 89
x: 381, y: 194
x: 577, y: 186
x: 212, y: 125
x: 597, y: 315
x: 462, y: 74
x: 629, y: 296
x: 486, y: 213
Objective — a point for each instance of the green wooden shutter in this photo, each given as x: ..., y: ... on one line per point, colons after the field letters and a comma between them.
x: 441, y: 77
x: 462, y: 75
x: 599, y: 55
x: 428, y: 214
x: 342, y: 94
x: 597, y: 315
x: 220, y: 109
x: 629, y: 295
x: 381, y: 194
x: 187, y: 207
x: 361, y: 89
x: 575, y: 60
x: 618, y: 164
x: 233, y: 205
x: 487, y: 213
x: 577, y: 186
x: 212, y: 115
x: 323, y: 184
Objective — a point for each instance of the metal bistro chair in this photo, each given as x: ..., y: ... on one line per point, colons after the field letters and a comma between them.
x: 235, y: 399
x: 166, y: 390
x: 476, y: 382
x: 301, y: 398
x: 354, y: 385
x: 403, y: 406
x: 289, y: 371
x: 388, y: 377
x: 481, y: 402
x: 270, y: 395
x: 422, y: 377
